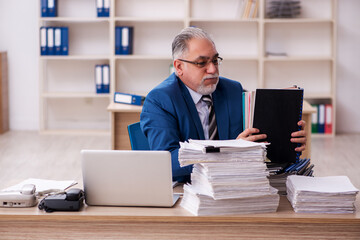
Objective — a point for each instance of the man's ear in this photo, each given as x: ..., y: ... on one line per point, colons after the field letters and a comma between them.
x: 178, y: 65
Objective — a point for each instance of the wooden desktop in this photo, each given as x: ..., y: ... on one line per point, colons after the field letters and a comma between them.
x: 174, y: 223
x: 122, y: 115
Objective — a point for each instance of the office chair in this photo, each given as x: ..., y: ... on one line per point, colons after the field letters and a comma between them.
x: 138, y: 140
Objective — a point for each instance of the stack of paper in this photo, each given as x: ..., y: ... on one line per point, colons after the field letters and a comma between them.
x: 229, y: 177
x: 334, y: 194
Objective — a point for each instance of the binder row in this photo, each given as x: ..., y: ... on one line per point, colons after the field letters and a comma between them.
x: 102, y: 78
x: 321, y: 120
x: 48, y: 8
x: 124, y: 40
x: 103, y: 8
x: 54, y: 41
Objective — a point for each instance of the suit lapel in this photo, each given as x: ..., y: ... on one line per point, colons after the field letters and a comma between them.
x: 192, y: 109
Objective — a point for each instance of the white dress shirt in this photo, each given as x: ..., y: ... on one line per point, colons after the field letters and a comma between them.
x: 202, y: 110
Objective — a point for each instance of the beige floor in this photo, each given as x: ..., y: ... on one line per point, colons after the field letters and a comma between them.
x: 30, y: 155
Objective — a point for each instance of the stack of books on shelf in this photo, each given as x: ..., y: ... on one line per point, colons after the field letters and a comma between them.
x: 321, y: 120
x: 334, y: 194
x: 284, y: 9
x: 229, y: 177
x: 279, y: 174
x: 248, y: 9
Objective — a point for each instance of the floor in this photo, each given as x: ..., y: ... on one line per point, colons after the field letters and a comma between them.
x: 25, y: 154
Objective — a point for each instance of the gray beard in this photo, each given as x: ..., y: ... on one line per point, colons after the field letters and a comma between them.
x: 207, y: 90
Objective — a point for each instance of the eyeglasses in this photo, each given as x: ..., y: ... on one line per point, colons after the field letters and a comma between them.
x: 216, y: 61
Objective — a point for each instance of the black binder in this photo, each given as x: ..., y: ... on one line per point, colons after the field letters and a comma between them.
x: 276, y: 113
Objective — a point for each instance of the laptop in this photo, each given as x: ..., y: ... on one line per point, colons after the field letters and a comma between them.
x: 128, y: 178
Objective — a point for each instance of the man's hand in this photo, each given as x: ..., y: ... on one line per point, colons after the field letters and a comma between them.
x: 299, y: 136
x: 250, y: 134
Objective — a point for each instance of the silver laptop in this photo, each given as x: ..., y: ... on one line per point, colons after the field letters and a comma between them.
x: 127, y: 178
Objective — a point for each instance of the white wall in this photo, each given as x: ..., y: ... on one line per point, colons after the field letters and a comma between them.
x: 19, y: 37
x: 348, y: 67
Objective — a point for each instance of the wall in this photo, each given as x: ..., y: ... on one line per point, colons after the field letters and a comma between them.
x: 19, y: 37
x: 348, y: 67
x: 20, y: 40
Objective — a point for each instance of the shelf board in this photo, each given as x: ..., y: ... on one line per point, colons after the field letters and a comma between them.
x: 298, y: 20
x: 224, y: 20
x: 318, y: 96
x: 74, y: 19
x: 74, y: 95
x: 143, y: 57
x: 119, y: 107
x: 322, y: 135
x: 75, y: 57
x: 300, y: 58
x: 239, y: 57
x: 148, y: 19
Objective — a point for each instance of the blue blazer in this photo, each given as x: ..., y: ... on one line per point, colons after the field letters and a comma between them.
x: 169, y: 116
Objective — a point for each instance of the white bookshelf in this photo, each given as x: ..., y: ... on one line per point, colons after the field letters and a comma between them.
x: 68, y: 100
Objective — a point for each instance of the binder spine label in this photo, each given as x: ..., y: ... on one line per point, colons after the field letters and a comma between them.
x: 57, y: 41
x: 43, y: 40
x: 98, y: 78
x: 125, y: 37
x: 105, y: 79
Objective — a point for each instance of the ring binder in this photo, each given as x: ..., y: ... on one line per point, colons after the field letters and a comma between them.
x: 276, y: 113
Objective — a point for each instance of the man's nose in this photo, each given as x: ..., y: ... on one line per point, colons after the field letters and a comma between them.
x: 211, y: 67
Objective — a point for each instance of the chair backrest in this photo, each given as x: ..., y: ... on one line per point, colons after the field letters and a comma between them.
x: 138, y: 140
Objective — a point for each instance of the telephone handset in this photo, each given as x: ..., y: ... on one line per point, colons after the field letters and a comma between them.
x: 71, y: 200
x: 24, y: 198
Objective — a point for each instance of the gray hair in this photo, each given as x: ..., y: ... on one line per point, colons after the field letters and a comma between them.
x: 179, y: 45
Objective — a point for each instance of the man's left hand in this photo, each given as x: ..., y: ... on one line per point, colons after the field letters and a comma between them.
x: 300, y: 136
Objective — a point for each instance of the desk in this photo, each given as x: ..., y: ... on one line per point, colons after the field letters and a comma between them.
x: 174, y: 223
x: 122, y: 115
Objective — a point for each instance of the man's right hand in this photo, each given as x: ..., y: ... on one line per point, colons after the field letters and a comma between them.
x: 251, y: 134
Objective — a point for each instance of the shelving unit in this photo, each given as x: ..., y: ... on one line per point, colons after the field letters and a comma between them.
x: 309, y: 41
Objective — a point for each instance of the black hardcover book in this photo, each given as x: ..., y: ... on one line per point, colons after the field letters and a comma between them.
x: 276, y: 113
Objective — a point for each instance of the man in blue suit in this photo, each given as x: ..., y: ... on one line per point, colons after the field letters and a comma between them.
x: 174, y: 111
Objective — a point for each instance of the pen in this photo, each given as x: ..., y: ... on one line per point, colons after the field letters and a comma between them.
x: 298, y: 168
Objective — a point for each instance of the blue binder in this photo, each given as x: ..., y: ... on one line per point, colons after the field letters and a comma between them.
x: 52, y: 8
x: 50, y: 41
x: 128, y: 98
x: 64, y: 41
x: 124, y: 40
x: 100, y: 8
x: 43, y: 41
x: 44, y: 10
x: 117, y: 40
x: 321, y: 118
x: 57, y: 40
x: 105, y: 84
x: 98, y: 78
x: 106, y: 10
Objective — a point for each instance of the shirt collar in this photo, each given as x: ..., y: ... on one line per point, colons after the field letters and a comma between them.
x: 194, y: 95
